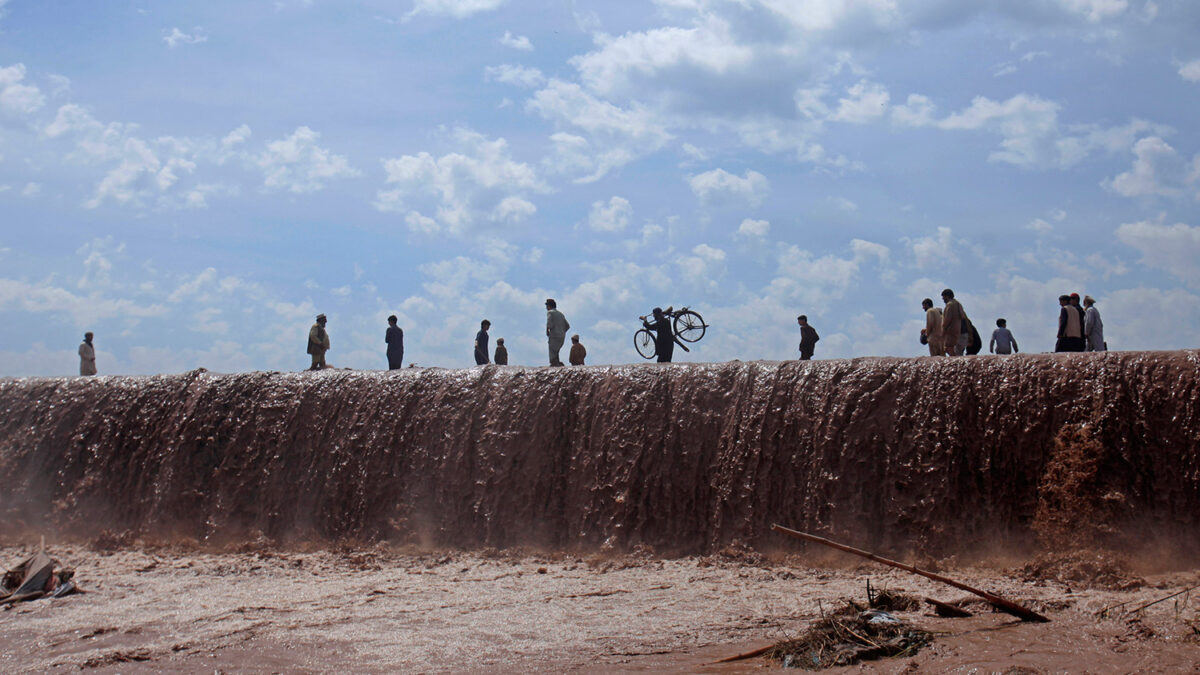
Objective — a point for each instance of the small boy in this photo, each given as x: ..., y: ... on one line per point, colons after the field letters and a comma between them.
x: 1003, y: 341
x: 501, y: 357
x: 578, y: 353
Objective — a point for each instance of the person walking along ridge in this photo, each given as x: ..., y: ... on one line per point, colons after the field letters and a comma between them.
x: 318, y: 343
x: 481, y: 343
x: 394, y: 337
x: 808, y: 338
x: 932, y: 332
x: 1093, y: 327
x: 556, y: 330
x: 1003, y: 341
x: 664, y: 335
x: 956, y: 334
x: 87, y: 355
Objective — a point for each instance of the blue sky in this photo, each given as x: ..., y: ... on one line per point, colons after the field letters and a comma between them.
x: 195, y: 181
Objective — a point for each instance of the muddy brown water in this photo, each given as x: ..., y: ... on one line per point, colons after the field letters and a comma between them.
x: 926, y: 456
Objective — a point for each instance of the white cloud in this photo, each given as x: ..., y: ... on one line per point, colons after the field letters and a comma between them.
x: 31, y: 190
x: 458, y: 9
x: 479, y: 179
x: 516, y: 42
x: 18, y: 100
x: 710, y: 185
x: 864, y: 102
x: 1040, y: 226
x: 1157, y: 170
x: 520, y: 76
x: 176, y: 37
x: 754, y: 228
x: 1032, y: 136
x: 297, y: 164
x: 617, y: 135
x: 610, y: 217
x: 512, y: 210
x: 1174, y: 248
x: 705, y: 266
x: 934, y: 252
x: 1190, y: 71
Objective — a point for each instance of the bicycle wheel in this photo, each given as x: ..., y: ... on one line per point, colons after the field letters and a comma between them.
x: 689, y: 326
x: 643, y: 342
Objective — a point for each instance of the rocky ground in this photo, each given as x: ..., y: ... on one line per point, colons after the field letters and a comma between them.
x: 380, y: 610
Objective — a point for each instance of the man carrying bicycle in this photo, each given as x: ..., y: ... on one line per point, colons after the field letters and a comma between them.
x: 664, y: 335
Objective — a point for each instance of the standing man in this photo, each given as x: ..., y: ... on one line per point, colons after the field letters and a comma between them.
x: 578, y: 353
x: 1093, y: 327
x: 501, y: 358
x: 664, y: 335
x: 556, y: 330
x: 1003, y: 341
x: 87, y: 355
x: 1070, y: 326
x: 808, y: 338
x: 318, y: 343
x: 955, y: 334
x: 933, y: 328
x: 395, y: 343
x: 481, y: 340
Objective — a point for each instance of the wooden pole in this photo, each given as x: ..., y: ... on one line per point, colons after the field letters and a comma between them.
x: 995, y: 600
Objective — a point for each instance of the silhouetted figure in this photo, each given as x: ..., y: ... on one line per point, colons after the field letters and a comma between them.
x: 481, y: 340
x: 1003, y: 341
x: 87, y: 355
x: 578, y: 353
x: 556, y: 330
x: 974, y: 343
x: 395, y: 344
x: 501, y: 357
x: 808, y: 338
x: 318, y: 343
x: 664, y: 335
x: 1070, y: 326
x: 1093, y: 327
x: 931, y: 334
x: 956, y: 332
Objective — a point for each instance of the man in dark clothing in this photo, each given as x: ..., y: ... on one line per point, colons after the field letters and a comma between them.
x: 481, y: 340
x: 1070, y: 326
x: 808, y: 338
x: 395, y: 343
x: 664, y: 335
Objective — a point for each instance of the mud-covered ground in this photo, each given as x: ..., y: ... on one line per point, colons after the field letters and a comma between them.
x: 153, y: 609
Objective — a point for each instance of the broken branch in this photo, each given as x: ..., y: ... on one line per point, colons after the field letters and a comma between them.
x: 995, y: 600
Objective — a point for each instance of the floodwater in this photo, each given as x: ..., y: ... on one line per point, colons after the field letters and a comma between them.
x: 926, y: 456
x: 377, y: 611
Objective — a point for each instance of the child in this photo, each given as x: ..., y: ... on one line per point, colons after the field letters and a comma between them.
x: 501, y: 358
x: 1003, y: 341
x: 577, y: 352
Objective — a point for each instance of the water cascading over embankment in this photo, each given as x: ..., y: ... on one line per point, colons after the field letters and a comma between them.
x: 942, y: 455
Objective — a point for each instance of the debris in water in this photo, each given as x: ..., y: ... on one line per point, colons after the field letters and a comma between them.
x: 35, y: 577
x: 849, y: 636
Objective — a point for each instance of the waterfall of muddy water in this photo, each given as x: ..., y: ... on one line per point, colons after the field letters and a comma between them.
x: 922, y: 455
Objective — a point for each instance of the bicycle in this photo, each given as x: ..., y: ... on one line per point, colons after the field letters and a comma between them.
x: 688, y: 326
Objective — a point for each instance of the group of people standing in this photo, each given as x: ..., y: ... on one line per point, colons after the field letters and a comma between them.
x: 1080, y: 329
x: 949, y: 331
x: 556, y: 334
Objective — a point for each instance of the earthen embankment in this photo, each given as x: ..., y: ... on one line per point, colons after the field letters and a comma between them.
x: 939, y: 455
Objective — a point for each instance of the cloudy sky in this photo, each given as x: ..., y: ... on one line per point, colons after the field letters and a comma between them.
x: 195, y: 181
